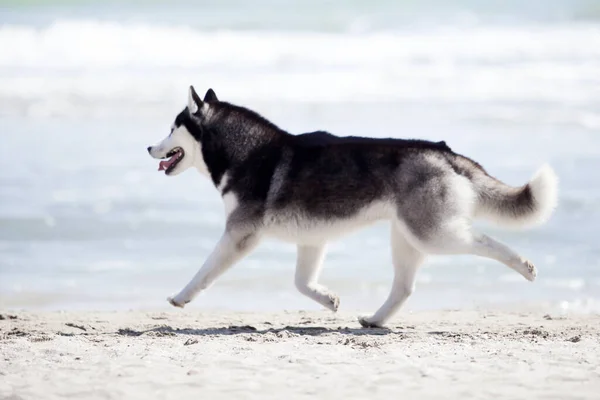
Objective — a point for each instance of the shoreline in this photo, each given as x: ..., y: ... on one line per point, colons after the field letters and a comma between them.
x: 437, y: 354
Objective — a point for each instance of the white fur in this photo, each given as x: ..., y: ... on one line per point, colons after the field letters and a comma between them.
x: 544, y: 186
x: 226, y: 253
x: 206, y: 110
x: 199, y: 160
x: 192, y: 105
x: 311, y: 231
x: 308, y: 268
x: 230, y: 201
x: 180, y: 137
x: 406, y: 260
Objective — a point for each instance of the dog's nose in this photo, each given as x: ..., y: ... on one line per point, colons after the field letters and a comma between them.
x: 149, y: 149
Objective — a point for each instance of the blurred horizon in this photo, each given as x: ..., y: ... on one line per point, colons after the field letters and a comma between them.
x: 536, y: 10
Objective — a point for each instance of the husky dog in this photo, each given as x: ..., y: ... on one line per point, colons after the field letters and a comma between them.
x: 310, y: 188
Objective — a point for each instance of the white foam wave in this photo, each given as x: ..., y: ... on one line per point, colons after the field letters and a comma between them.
x: 93, y: 44
x: 77, y: 64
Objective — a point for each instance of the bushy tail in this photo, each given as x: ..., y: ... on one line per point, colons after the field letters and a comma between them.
x: 524, y: 206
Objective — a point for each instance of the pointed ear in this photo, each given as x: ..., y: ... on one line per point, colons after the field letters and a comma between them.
x: 194, y: 102
x: 210, y: 96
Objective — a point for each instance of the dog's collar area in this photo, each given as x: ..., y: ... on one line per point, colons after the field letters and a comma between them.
x: 173, y: 158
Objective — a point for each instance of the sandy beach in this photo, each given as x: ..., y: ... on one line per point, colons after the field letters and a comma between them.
x: 174, y: 355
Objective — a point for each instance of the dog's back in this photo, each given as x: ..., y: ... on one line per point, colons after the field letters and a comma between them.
x: 324, y: 139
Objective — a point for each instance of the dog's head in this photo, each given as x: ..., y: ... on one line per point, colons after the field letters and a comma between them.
x: 182, y: 149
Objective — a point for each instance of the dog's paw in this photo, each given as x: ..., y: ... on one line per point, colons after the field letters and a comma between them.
x: 175, y: 303
x: 367, y: 322
x: 334, y: 302
x: 529, y: 270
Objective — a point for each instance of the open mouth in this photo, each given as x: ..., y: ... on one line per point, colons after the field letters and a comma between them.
x: 173, y: 158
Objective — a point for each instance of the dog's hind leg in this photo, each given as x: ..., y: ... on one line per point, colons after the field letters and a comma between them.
x: 485, y: 246
x: 308, y: 268
x: 467, y: 242
x: 231, y: 248
x: 406, y: 260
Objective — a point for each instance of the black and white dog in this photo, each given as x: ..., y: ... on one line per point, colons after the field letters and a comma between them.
x: 310, y: 188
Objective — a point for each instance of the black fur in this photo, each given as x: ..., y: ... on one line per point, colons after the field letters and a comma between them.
x: 326, y: 176
x: 210, y: 96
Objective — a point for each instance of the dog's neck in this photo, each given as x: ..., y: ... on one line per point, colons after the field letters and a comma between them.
x: 232, y: 136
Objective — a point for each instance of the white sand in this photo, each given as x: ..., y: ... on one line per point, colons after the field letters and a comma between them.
x: 188, y: 355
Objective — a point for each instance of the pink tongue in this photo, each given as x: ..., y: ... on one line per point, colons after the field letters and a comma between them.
x: 163, y: 165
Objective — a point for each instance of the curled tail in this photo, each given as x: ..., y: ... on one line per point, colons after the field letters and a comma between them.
x: 528, y: 205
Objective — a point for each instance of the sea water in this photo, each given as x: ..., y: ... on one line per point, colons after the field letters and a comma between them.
x: 86, y: 221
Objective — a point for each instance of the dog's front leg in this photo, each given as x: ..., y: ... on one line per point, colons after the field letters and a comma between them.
x: 232, y: 247
x: 308, y: 269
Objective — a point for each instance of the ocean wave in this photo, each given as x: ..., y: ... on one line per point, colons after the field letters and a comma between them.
x: 75, y: 44
x: 77, y: 65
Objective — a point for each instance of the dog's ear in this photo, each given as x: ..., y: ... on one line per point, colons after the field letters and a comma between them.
x: 210, y: 96
x: 194, y: 102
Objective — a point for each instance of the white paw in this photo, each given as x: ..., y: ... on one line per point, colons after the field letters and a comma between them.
x: 368, y: 322
x: 177, y: 302
x: 530, y: 271
x: 333, y: 302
